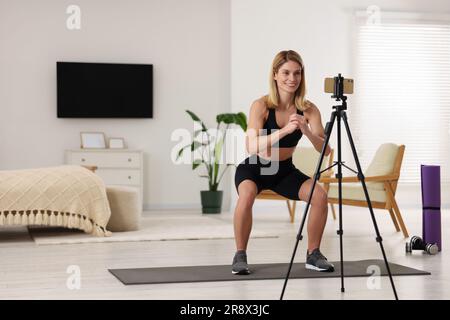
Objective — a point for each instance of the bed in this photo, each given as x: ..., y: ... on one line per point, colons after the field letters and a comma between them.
x: 65, y: 196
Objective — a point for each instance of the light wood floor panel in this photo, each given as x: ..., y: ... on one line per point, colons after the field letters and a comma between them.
x: 29, y: 271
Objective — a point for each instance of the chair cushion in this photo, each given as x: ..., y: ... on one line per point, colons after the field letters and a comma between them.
x: 355, y: 191
x: 382, y: 164
x: 305, y: 159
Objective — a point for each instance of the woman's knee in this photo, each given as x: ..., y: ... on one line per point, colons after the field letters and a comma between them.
x: 247, y: 193
x: 320, y: 197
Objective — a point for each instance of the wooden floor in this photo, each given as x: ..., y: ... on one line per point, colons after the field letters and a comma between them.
x: 29, y: 271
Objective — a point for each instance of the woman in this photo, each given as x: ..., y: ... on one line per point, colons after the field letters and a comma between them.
x: 276, y: 124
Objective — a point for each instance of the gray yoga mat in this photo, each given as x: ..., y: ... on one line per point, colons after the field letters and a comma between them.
x: 362, y: 268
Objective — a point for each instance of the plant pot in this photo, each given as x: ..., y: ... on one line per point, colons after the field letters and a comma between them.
x: 211, y: 201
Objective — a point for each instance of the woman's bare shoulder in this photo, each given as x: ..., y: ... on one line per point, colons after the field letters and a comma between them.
x: 259, y: 106
x: 258, y: 114
x: 310, y: 107
x: 311, y: 111
x: 262, y: 101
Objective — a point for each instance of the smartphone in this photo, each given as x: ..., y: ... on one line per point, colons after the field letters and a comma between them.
x: 348, y: 85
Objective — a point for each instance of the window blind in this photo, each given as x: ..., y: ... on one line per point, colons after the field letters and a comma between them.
x: 402, y: 93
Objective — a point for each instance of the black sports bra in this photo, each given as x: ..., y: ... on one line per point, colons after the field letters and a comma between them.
x: 287, y: 141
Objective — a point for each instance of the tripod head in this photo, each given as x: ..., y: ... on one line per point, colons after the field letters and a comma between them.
x: 338, y: 86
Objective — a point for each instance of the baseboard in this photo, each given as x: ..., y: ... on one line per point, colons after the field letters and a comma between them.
x: 176, y: 206
x: 263, y: 204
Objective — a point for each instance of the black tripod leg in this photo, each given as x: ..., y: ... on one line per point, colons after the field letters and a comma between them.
x: 328, y: 130
x: 369, y: 203
x: 340, y: 232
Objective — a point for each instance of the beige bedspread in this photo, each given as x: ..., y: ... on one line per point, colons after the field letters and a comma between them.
x: 67, y: 196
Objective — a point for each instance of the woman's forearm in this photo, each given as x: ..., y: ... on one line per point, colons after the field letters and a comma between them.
x: 264, y: 142
x: 318, y: 142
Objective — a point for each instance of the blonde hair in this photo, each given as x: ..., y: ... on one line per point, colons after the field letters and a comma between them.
x: 273, y: 98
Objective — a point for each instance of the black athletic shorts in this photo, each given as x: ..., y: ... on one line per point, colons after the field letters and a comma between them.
x: 279, y: 176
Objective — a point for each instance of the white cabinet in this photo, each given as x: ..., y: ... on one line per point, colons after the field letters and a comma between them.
x: 115, y: 167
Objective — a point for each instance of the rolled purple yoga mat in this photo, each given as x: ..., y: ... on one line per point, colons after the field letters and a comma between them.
x: 431, y: 186
x: 431, y: 204
x: 432, y: 227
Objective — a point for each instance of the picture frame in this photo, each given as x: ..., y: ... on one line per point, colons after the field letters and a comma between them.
x: 116, y: 143
x: 92, y: 140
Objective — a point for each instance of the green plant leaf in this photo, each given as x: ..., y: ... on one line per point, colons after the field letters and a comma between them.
x: 218, y: 150
x: 195, y: 118
x: 241, y: 120
x: 180, y: 152
x: 195, y: 145
x: 196, y: 163
x: 226, y: 118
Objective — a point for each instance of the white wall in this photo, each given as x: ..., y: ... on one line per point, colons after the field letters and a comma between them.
x: 186, y: 41
x: 196, y: 66
x: 321, y: 31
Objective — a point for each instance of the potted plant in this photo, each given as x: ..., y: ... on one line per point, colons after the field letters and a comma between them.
x: 210, y: 147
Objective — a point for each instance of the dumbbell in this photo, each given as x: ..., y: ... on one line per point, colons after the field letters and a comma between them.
x: 416, y: 243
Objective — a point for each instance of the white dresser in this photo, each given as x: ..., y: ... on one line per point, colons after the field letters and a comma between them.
x: 115, y: 167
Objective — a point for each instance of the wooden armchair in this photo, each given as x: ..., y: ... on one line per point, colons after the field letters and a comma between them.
x: 381, y: 178
x: 305, y: 159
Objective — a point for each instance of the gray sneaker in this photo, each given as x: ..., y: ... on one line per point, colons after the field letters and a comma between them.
x: 317, y: 261
x: 240, y: 265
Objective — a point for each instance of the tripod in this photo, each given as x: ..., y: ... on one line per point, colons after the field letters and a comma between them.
x: 339, y: 114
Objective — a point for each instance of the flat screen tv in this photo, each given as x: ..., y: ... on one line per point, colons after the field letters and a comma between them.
x: 104, y: 90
